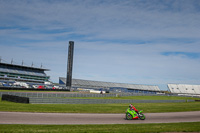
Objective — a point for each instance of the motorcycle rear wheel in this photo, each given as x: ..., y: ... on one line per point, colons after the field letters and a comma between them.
x: 129, y: 116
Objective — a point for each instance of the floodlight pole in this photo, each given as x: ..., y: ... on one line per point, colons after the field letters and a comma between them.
x: 70, y: 65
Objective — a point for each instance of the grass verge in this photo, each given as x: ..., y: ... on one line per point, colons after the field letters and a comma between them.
x: 116, y: 128
x: 99, y: 108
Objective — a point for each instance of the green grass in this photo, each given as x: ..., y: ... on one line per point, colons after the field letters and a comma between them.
x: 116, y: 128
x: 104, y: 108
x: 99, y: 108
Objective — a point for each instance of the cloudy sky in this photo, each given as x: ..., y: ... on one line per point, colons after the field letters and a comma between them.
x: 151, y: 42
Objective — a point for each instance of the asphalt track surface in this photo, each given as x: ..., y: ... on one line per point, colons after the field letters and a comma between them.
x: 79, y: 118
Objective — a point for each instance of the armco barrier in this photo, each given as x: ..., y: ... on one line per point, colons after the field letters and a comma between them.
x: 13, y: 98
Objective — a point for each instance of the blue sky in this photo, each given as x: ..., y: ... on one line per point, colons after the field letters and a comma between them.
x: 153, y: 42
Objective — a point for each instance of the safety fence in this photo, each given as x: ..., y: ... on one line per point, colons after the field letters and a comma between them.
x: 64, y: 95
x: 67, y: 98
x: 97, y: 101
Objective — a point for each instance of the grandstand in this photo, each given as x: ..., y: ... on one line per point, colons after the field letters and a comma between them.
x: 109, y: 86
x: 11, y: 73
x: 184, y: 88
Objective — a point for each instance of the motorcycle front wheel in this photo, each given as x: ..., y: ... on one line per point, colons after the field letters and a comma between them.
x: 141, y: 116
x: 129, y: 116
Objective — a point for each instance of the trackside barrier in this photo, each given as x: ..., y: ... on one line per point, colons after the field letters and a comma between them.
x: 48, y: 95
x: 63, y: 98
x: 97, y: 101
x: 65, y: 95
x: 13, y: 98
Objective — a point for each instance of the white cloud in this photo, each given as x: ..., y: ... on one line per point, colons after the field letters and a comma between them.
x: 119, y: 41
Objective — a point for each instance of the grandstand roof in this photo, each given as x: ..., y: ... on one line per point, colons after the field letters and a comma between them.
x: 100, y: 84
x: 23, y: 67
x: 33, y: 73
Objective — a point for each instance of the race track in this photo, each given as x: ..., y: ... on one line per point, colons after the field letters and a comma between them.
x: 77, y: 118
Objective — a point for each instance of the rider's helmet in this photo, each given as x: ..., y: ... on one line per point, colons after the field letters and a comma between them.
x: 130, y: 106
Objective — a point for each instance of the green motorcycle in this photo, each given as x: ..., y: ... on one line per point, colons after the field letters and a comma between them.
x: 132, y: 114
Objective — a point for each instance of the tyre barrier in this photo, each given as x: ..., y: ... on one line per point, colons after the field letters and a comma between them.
x: 12, y: 98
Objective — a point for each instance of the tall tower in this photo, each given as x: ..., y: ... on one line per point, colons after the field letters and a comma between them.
x: 70, y: 65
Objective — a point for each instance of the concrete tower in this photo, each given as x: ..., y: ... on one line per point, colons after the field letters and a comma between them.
x: 70, y: 65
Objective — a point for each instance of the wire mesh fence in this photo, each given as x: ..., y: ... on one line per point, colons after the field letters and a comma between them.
x: 64, y: 95
x: 97, y: 101
x: 81, y: 98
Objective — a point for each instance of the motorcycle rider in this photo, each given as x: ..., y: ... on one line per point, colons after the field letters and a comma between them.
x: 133, y: 108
